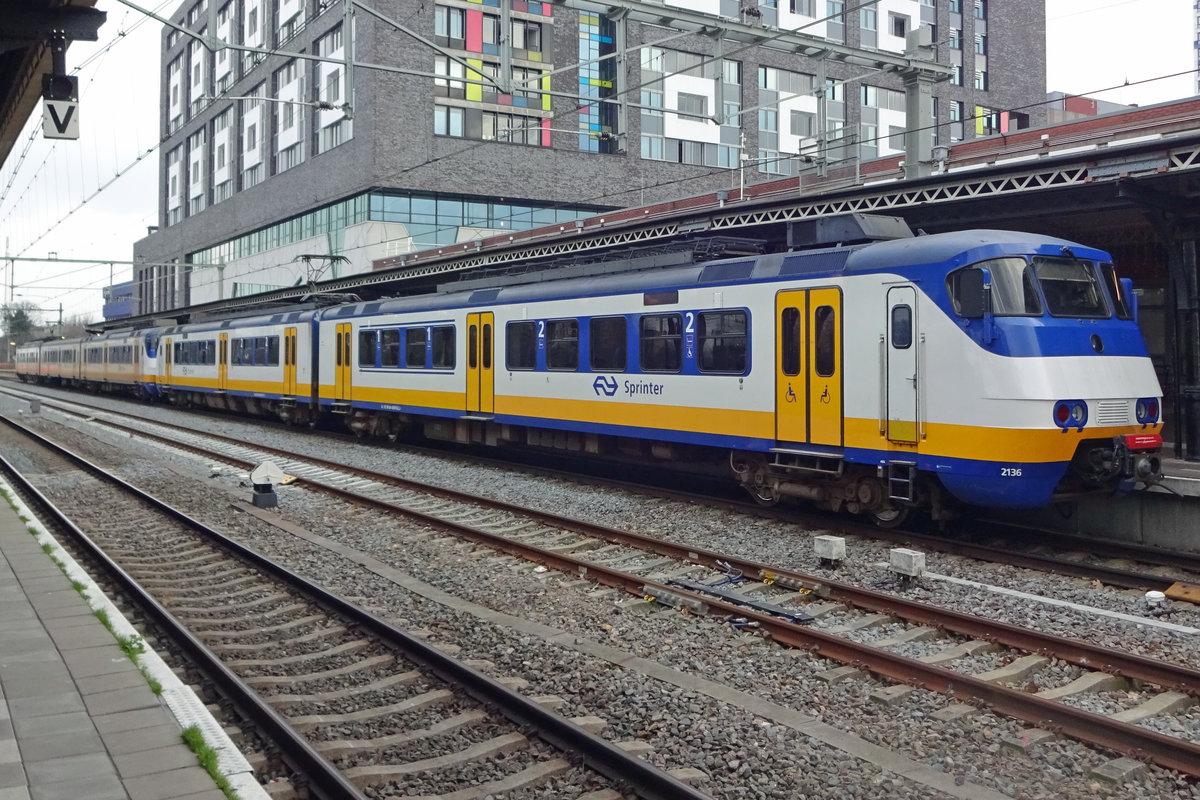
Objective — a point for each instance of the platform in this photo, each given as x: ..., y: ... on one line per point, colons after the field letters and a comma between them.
x: 77, y: 718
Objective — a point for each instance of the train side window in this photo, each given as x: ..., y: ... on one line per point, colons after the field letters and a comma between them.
x: 789, y: 331
x: 366, y: 348
x: 724, y: 342
x: 562, y: 344
x: 520, y: 345
x: 389, y: 351
x: 260, y: 351
x: 1109, y: 273
x: 826, y: 340
x: 901, y: 327
x: 414, y: 346
x: 608, y: 347
x: 443, y: 347
x: 272, y: 351
x: 661, y: 345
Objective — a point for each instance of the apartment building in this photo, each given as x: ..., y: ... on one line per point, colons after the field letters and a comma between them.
x: 303, y: 139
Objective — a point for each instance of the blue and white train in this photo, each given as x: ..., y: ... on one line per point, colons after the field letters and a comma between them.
x: 985, y: 368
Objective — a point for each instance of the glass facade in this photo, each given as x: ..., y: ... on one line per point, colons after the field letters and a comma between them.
x: 432, y: 220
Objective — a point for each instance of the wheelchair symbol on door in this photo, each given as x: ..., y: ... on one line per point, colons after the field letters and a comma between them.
x: 825, y: 395
x: 790, y: 396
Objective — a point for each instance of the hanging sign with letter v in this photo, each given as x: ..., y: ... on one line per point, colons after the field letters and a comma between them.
x: 60, y: 119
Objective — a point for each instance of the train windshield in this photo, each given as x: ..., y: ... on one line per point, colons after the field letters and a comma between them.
x: 1071, y: 288
x: 1012, y: 288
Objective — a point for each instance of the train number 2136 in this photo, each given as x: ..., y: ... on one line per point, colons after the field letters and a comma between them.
x: 1010, y: 472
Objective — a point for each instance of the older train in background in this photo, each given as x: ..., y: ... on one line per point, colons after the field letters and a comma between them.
x: 980, y: 368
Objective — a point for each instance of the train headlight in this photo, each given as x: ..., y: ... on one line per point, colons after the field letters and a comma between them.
x: 1147, y: 410
x: 1070, y: 414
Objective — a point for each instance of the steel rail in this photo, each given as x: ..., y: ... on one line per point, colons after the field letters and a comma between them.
x: 326, y: 780
x: 1170, y: 752
x: 1112, y: 576
x: 1073, y: 650
x: 598, y: 753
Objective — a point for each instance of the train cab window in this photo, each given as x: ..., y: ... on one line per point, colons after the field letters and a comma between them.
x: 1116, y: 291
x: 825, y: 357
x: 724, y: 342
x: 1071, y: 288
x: 901, y: 327
x: 607, y: 344
x: 414, y: 347
x: 562, y: 344
x: 520, y: 345
x: 1013, y: 293
x: 389, y: 351
x: 366, y: 348
x: 443, y: 347
x: 661, y: 342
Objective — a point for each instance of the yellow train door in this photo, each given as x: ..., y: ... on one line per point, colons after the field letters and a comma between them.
x: 808, y: 367
x: 223, y: 363
x: 480, y: 372
x: 791, y: 375
x: 289, y: 361
x: 342, y: 369
x: 167, y: 358
x: 825, y: 367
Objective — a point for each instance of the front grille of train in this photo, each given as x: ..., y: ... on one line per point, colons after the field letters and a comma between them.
x: 1112, y: 412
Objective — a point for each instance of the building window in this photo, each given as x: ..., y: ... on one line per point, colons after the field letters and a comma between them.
x: 979, y: 9
x: 692, y: 107
x: 867, y: 19
x: 803, y: 124
x: 956, y: 38
x: 447, y: 121
x: 449, y: 26
x: 956, y: 78
x: 898, y: 23
x: 802, y: 7
x: 981, y: 80
x: 980, y: 44
x: 955, y: 6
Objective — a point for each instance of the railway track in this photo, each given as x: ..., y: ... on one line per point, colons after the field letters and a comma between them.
x: 790, y: 607
x: 354, y: 706
x: 994, y: 541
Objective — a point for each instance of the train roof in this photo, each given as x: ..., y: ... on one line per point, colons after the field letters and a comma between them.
x: 960, y: 247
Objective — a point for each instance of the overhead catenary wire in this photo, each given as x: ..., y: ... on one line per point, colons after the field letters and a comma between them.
x: 595, y: 199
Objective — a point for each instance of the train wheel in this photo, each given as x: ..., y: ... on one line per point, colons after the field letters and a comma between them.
x: 763, y: 495
x: 891, y: 516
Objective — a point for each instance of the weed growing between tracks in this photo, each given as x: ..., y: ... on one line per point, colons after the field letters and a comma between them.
x: 207, y: 757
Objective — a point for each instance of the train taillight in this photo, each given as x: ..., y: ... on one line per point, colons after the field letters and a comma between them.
x: 1147, y: 410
